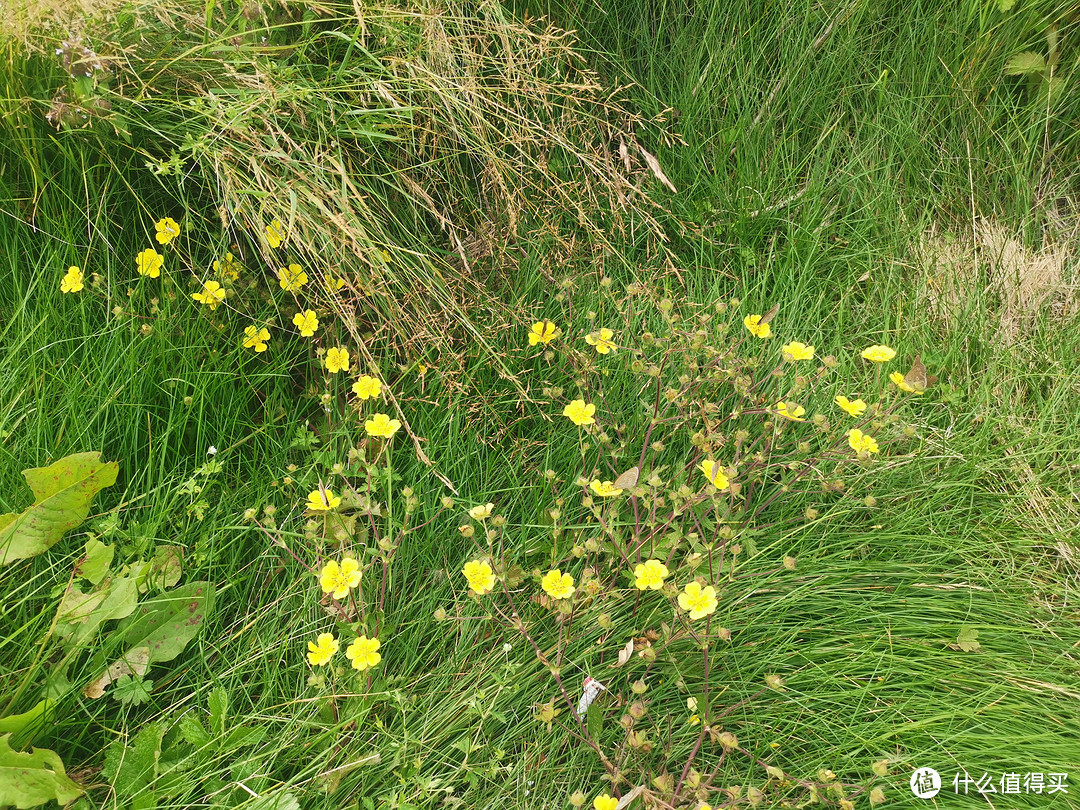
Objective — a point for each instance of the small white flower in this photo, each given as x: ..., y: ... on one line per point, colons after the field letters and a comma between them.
x: 507, y: 647
x: 212, y: 451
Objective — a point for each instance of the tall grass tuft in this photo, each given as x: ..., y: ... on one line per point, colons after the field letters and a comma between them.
x: 398, y: 145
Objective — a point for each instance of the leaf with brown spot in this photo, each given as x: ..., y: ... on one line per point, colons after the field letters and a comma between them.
x: 63, y: 492
x: 135, y: 662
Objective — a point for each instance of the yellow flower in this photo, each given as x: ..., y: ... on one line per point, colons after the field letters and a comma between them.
x: 337, y: 359
x: 605, y: 489
x: 367, y: 387
x: 148, y: 263
x: 212, y: 295
x: 879, y: 354
x: 793, y: 413
x: 715, y: 473
x: 167, y: 230
x: 901, y: 383
x: 558, y: 585
x: 543, y: 332
x: 291, y: 278
x: 364, y: 653
x: 382, y: 425
x: 694, y: 720
x: 256, y: 338
x: 72, y: 282
x: 797, y: 351
x: 601, y: 341
x: 307, y: 322
x: 322, y: 649
x: 481, y: 577
x: 757, y: 329
x: 333, y: 283
x: 481, y: 512
x: 338, y: 580
x: 320, y: 500
x: 860, y: 442
x: 698, y: 601
x: 855, y: 408
x: 275, y: 234
x: 580, y: 413
x: 605, y: 802
x: 230, y: 268
x: 650, y: 575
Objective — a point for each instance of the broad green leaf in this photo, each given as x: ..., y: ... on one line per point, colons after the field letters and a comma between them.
x: 98, y: 559
x: 163, y: 571
x: 165, y: 568
x: 62, y: 495
x: 24, y: 727
x: 1005, y: 5
x: 27, y: 780
x: 166, y: 623
x: 81, y: 614
x: 158, y: 631
x: 1024, y: 63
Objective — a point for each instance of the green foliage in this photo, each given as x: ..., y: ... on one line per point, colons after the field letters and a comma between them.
x: 167, y: 760
x: 811, y: 147
x: 156, y: 632
x: 29, y: 780
x: 22, y: 728
x: 62, y: 495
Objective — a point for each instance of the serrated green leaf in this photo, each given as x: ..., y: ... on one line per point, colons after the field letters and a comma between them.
x: 192, y: 730
x: 218, y: 703
x: 132, y: 691
x: 27, y: 780
x: 1024, y: 63
x: 98, y: 559
x: 1005, y: 5
x: 63, y: 492
x: 133, y: 767
x: 967, y: 640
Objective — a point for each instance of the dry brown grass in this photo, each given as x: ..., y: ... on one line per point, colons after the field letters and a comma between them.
x: 414, y: 148
x: 993, y: 264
